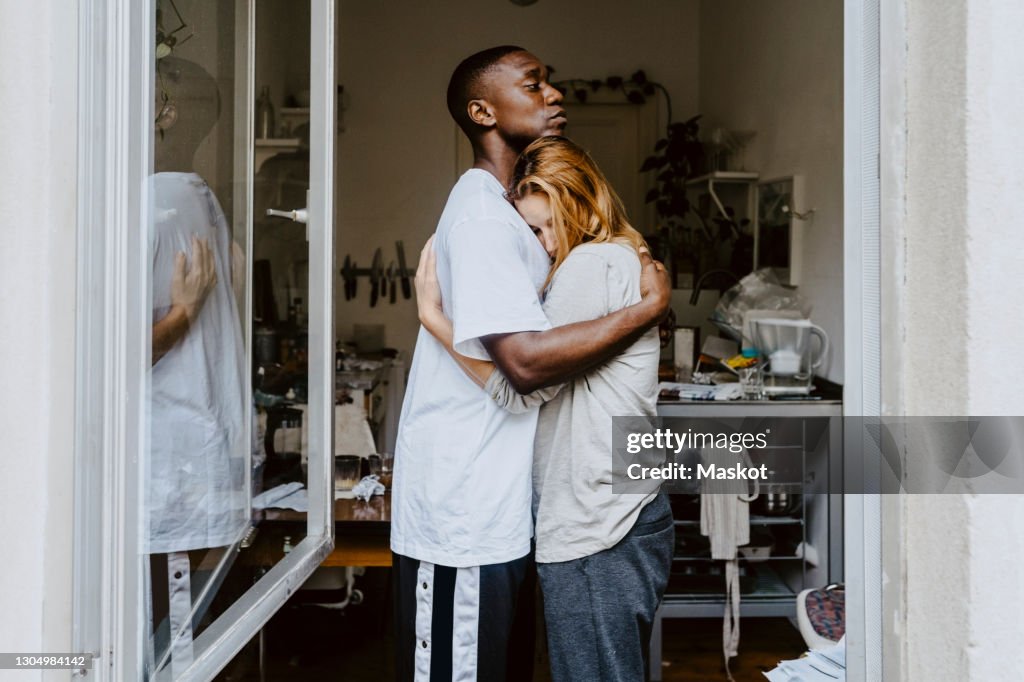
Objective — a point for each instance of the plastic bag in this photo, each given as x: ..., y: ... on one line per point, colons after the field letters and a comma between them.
x: 760, y: 290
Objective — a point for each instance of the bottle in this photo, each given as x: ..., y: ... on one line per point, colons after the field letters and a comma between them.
x: 293, y: 316
x: 287, y: 544
x: 264, y: 115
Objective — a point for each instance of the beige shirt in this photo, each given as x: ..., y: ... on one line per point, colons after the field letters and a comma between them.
x: 576, y: 512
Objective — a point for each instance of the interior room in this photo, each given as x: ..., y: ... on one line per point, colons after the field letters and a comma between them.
x: 748, y: 95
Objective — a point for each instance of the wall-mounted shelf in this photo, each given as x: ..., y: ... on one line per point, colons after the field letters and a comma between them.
x: 263, y: 149
x: 277, y: 142
x: 724, y: 176
x: 736, y: 178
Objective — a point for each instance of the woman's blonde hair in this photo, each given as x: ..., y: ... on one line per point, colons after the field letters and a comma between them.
x: 584, y: 207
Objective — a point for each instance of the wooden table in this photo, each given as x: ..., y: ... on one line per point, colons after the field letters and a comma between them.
x: 362, y: 534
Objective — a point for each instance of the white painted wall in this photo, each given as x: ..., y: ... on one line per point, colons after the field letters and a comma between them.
x: 396, y: 158
x: 962, y: 598
x: 37, y: 300
x: 776, y: 68
x: 995, y: 319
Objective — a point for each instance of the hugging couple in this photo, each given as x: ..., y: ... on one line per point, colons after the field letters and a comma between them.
x: 539, y: 305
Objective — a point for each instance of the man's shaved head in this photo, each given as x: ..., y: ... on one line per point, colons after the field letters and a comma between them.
x: 468, y: 79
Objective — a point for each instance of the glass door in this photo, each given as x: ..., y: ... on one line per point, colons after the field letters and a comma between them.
x: 237, y: 377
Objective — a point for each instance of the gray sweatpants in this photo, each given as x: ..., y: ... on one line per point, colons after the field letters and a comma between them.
x: 599, y: 609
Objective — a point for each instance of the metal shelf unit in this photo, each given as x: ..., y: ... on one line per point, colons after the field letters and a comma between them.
x: 776, y: 580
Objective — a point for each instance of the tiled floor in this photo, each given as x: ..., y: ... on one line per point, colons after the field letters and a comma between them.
x: 307, y: 644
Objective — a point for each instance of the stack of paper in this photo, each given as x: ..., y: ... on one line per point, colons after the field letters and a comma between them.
x: 731, y: 391
x: 817, y: 665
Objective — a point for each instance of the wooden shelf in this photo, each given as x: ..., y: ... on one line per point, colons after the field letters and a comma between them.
x: 724, y: 176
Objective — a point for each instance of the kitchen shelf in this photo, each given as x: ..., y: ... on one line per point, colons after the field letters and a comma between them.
x: 723, y: 176
x: 735, y: 178
x: 769, y: 585
x: 755, y: 521
x: 265, y: 148
x: 741, y: 558
x: 277, y: 142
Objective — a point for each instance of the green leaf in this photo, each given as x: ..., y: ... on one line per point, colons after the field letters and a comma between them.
x: 636, y: 97
x: 661, y: 144
x: 639, y: 77
x: 652, y: 195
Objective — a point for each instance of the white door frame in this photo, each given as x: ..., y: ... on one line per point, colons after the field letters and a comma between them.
x: 116, y: 50
x: 862, y: 395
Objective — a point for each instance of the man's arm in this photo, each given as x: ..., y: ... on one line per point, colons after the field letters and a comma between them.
x: 189, y: 290
x: 533, y: 360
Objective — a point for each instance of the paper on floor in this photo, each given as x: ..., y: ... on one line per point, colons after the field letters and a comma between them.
x: 821, y: 665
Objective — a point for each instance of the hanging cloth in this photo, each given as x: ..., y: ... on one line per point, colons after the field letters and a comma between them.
x: 725, y: 520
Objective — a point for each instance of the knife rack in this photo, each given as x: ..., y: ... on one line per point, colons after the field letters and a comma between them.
x: 383, y: 280
x: 369, y: 272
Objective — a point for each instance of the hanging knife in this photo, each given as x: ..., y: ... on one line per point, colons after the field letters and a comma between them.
x: 376, y: 270
x: 346, y: 275
x: 391, y: 281
x: 403, y: 271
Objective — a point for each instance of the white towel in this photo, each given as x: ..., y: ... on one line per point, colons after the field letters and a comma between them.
x: 725, y: 520
x: 293, y: 496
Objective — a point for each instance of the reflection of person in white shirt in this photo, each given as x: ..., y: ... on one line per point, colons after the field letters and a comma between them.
x: 189, y: 289
x: 195, y: 483
x: 194, y: 493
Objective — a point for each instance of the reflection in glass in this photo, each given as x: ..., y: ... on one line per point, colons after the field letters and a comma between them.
x: 215, y: 445
x: 194, y: 497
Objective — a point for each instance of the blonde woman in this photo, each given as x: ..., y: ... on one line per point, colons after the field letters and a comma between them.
x: 603, y: 558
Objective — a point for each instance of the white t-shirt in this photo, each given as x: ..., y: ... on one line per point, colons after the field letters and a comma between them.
x: 462, y: 489
x: 194, y: 477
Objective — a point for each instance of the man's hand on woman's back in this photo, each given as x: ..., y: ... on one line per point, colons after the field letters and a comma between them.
x: 655, y: 287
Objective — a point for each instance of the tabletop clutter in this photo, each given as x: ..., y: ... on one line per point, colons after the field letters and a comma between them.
x: 358, y: 470
x: 817, y: 665
x: 767, y: 346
